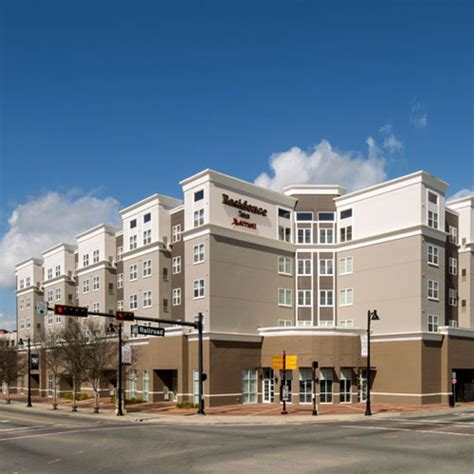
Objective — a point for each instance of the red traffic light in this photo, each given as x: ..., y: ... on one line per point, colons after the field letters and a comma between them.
x: 124, y: 316
x: 68, y: 310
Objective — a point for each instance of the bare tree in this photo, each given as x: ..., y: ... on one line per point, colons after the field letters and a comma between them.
x: 72, y: 351
x: 100, y: 357
x: 12, y: 365
x: 52, y: 357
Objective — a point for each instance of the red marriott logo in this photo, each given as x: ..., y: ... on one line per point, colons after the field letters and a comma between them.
x: 249, y: 225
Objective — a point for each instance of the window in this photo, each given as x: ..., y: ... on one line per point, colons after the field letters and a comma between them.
x: 146, y: 268
x: 284, y: 265
x: 28, y: 279
x: 22, y: 324
x: 306, y: 386
x: 433, y: 290
x: 304, y: 235
x: 56, y: 273
x: 165, y: 305
x: 119, y: 253
x: 326, y: 298
x: 111, y: 289
x: 85, y: 260
x: 147, y: 237
x: 133, y: 274
x: 22, y: 284
x: 326, y: 236
x: 176, y: 265
x: 249, y: 386
x: 433, y: 219
x: 283, y: 213
x: 432, y: 323
x: 176, y: 233
x: 164, y: 274
x: 50, y: 317
x: 120, y: 280
x: 453, y: 235
x: 49, y: 296
x: 57, y: 294
x: 28, y: 302
x: 198, y: 289
x: 22, y: 302
x: 432, y: 197
x: 147, y: 299
x: 284, y: 322
x: 58, y: 318
x: 463, y: 274
x: 284, y: 233
x: 302, y: 322
x: 146, y: 385
x: 198, y: 253
x: 133, y: 223
x: 433, y: 255
x: 453, y: 266
x: 147, y: 217
x: 199, y: 195
x: 95, y: 283
x: 284, y: 297
x: 304, y: 297
x: 463, y: 304
x: 346, y: 233
x: 346, y: 214
x: 345, y: 386
x: 345, y: 296
x: 304, y: 267
x: 198, y: 217
x: 85, y: 286
x: 346, y: 266
x: 346, y: 323
x: 95, y: 256
x: 325, y: 216
x: 453, y: 297
x: 304, y: 216
x: 133, y: 383
x: 50, y: 273
x: 133, y: 242
x: 325, y: 385
x: 96, y: 307
x: 176, y: 296
x: 326, y: 267
x: 120, y: 305
x: 133, y: 302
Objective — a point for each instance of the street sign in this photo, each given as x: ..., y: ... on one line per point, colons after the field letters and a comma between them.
x: 34, y: 361
x: 147, y: 330
x: 364, y: 347
x: 41, y: 308
x: 126, y: 355
x: 291, y: 362
x: 285, y: 394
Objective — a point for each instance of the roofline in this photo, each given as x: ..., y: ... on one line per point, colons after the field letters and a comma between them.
x: 36, y: 260
x: 251, y: 188
x: 293, y: 189
x: 70, y: 247
x: 461, y: 200
x: 400, y: 179
x: 107, y: 227
x: 153, y: 197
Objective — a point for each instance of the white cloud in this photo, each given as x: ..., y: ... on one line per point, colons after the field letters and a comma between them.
x: 462, y: 193
x: 391, y: 143
x: 47, y: 220
x: 325, y: 165
x: 418, y: 116
x: 7, y: 322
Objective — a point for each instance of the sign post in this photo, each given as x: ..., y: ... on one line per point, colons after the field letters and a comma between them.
x: 454, y: 381
x: 314, y: 366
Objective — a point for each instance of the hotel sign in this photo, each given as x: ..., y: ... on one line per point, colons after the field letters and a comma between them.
x: 245, y: 209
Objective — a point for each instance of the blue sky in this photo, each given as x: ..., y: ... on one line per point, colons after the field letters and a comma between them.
x: 117, y: 100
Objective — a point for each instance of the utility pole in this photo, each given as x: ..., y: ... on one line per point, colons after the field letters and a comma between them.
x: 119, y: 381
x: 28, y: 404
x: 201, y: 366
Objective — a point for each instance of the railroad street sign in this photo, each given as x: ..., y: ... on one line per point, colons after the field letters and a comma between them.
x: 147, y: 330
x: 41, y: 308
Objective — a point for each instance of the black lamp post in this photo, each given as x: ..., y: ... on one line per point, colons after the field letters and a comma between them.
x: 371, y: 316
x: 112, y: 329
x: 21, y: 343
x: 314, y: 366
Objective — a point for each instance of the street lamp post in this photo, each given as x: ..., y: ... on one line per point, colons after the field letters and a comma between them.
x: 371, y: 316
x: 21, y: 343
x: 314, y: 366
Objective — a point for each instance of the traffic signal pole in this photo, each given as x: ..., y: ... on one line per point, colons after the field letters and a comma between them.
x: 200, y: 364
x: 119, y: 377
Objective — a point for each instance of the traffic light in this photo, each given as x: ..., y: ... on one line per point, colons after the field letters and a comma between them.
x: 124, y: 316
x: 68, y: 310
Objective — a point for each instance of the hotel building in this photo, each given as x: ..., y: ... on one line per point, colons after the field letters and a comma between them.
x: 292, y: 271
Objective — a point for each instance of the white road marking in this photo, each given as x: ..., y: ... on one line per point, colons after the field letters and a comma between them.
x: 384, y: 428
x: 21, y: 428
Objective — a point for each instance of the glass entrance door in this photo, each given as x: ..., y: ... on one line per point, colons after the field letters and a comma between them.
x: 268, y: 386
x: 249, y: 386
x: 362, y: 386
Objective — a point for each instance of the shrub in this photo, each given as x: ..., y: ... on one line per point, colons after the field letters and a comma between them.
x: 79, y: 396
x: 186, y: 404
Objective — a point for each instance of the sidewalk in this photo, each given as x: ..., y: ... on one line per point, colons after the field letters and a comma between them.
x: 261, y: 414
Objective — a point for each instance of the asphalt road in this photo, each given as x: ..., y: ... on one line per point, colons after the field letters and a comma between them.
x: 41, y: 443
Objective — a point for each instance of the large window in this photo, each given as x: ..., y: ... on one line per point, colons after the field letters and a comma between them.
x: 453, y: 266
x: 198, y: 289
x: 433, y: 219
x: 249, y: 386
x: 432, y: 323
x: 85, y: 286
x: 198, y: 218
x: 433, y: 255
x: 57, y: 294
x: 147, y: 237
x: 326, y: 267
x: 176, y: 233
x: 198, y: 253
x: 304, y: 216
x: 283, y: 213
x: 120, y: 280
x: 85, y: 260
x: 146, y: 385
x: 325, y: 216
x: 147, y: 299
x: 50, y: 385
x: 147, y: 217
x: 133, y: 242
x: 346, y: 266
x: 346, y: 214
x: 95, y: 256
x: 284, y: 297
x: 57, y: 273
x: 326, y: 298
x: 346, y: 233
x: 284, y: 265
x: 306, y: 386
x: 453, y: 234
x: 433, y: 290
x: 326, y: 236
x: 146, y: 268
x: 304, y: 297
x: 304, y: 267
x: 133, y: 274
x: 133, y: 383
x: 50, y: 273
x: 176, y: 296
x: 345, y: 297
x: 133, y: 302
x: 304, y: 235
x: 345, y: 386
x: 453, y: 297
x: 95, y: 283
x: 199, y: 195
x: 284, y: 233
x: 325, y: 385
x: 176, y: 265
